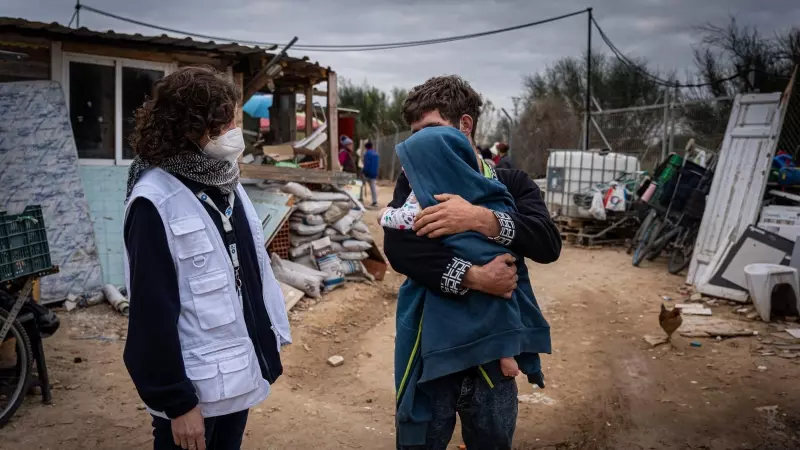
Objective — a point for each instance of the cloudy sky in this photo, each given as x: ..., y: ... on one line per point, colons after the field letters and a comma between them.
x: 659, y: 30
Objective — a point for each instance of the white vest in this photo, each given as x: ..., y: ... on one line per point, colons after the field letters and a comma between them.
x: 217, y: 351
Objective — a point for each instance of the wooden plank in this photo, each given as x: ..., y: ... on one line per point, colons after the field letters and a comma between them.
x: 309, y: 110
x: 266, y: 172
x: 238, y: 79
x: 333, y: 124
x: 290, y: 295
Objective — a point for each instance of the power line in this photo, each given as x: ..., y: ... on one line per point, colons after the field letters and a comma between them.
x: 633, y: 66
x: 336, y: 48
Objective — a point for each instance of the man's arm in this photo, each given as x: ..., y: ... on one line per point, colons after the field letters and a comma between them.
x: 430, y: 263
x: 530, y: 232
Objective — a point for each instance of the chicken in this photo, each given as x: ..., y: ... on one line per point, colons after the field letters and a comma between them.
x: 670, y: 320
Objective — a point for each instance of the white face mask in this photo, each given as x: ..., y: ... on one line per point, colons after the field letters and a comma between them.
x: 227, y: 147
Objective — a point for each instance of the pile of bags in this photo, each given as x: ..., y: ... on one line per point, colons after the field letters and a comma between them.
x: 328, y: 241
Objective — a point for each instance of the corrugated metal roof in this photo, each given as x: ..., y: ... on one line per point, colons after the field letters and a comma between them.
x: 56, y: 30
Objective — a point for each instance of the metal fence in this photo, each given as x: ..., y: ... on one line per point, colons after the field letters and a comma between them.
x: 789, y: 139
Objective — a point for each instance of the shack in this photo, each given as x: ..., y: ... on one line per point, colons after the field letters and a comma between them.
x: 67, y: 98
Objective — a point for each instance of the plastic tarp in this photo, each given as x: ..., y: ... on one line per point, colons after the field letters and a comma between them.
x: 39, y: 165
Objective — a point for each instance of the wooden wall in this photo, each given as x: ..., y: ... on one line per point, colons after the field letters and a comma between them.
x: 35, y: 67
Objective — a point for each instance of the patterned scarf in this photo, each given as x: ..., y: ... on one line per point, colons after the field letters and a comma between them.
x: 197, y: 167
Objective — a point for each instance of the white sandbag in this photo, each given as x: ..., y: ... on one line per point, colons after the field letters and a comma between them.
x: 356, y: 269
x: 298, y: 276
x: 300, y: 250
x: 296, y: 240
x: 310, y: 207
x: 353, y: 256
x: 356, y: 246
x: 361, y: 226
x: 306, y: 230
x: 297, y: 189
x: 307, y: 261
x: 345, y: 224
x: 336, y: 212
x: 319, y: 196
x: 335, y: 235
x: 365, y: 237
x: 337, y: 247
x: 313, y: 219
x: 328, y: 262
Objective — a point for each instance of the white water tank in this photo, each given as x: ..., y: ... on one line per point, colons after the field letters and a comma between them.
x: 575, y: 171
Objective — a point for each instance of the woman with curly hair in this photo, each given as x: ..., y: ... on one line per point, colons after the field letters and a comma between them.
x: 207, y: 318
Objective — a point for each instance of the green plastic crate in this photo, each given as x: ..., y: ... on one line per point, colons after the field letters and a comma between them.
x: 23, y: 244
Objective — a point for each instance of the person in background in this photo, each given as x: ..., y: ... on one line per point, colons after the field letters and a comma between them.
x: 504, y: 159
x: 347, y: 157
x: 485, y: 153
x: 207, y: 317
x: 370, y: 171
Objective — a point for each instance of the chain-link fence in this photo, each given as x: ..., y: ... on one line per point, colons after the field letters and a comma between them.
x: 789, y: 140
x: 389, y: 168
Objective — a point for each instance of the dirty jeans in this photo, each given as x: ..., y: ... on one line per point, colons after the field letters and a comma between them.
x: 488, y: 415
x: 373, y: 187
x: 222, y: 433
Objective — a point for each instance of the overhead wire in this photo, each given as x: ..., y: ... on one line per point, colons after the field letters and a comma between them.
x: 337, y: 47
x: 633, y: 66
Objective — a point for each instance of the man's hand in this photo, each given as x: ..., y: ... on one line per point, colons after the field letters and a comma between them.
x: 455, y: 215
x: 189, y: 431
x: 498, y: 277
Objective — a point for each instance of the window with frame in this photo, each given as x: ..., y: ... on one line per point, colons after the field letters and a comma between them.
x: 103, y: 95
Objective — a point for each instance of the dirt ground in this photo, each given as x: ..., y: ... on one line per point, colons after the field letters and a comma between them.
x: 607, y: 389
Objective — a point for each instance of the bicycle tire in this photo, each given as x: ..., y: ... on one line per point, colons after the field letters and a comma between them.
x: 680, y: 258
x: 651, y: 216
x: 661, y: 243
x: 23, y: 369
x: 642, y: 247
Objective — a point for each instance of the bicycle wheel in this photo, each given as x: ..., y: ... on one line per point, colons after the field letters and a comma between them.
x: 682, y: 255
x: 642, y: 248
x: 16, y: 368
x: 662, y: 241
x: 651, y: 216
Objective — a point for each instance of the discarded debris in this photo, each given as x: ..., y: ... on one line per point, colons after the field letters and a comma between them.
x: 795, y: 332
x: 536, y: 398
x: 711, y: 327
x: 762, y: 368
x: 306, y: 347
x: 752, y: 315
x: 696, y: 344
x: 335, y: 361
x: 693, y: 310
x: 117, y: 300
x: 744, y: 310
x: 655, y: 341
x: 768, y: 409
x: 696, y: 297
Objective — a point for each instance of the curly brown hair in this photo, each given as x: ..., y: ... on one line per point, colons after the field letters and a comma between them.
x: 186, y: 105
x: 450, y: 94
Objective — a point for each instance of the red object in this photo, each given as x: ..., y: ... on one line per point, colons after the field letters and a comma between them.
x: 347, y: 127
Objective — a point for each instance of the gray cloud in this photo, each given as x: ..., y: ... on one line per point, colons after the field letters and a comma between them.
x: 662, y: 31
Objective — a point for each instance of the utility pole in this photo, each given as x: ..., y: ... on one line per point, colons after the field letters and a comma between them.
x: 588, y: 95
x: 77, y: 13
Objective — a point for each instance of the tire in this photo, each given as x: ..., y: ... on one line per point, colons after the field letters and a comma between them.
x: 14, y: 386
x: 682, y: 256
x: 651, y: 216
x: 661, y: 243
x: 643, y: 246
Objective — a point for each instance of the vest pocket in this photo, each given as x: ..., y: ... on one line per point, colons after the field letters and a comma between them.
x: 212, y: 299
x: 191, y: 238
x: 222, y: 370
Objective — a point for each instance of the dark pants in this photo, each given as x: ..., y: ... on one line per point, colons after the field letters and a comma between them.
x: 222, y: 433
x: 488, y: 415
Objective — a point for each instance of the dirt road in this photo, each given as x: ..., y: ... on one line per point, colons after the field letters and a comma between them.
x: 607, y: 389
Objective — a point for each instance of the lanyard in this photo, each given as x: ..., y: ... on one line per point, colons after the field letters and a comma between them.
x: 230, y: 237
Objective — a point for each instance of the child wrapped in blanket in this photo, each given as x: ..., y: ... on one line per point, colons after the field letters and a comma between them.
x: 402, y: 218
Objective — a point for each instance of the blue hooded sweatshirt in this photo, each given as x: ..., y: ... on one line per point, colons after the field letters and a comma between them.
x: 438, y: 335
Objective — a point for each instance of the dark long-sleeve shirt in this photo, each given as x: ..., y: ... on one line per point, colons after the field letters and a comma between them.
x: 152, y: 350
x: 530, y: 233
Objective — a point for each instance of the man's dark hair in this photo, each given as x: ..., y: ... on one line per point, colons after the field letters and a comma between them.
x: 368, y: 145
x: 450, y: 94
x: 186, y: 105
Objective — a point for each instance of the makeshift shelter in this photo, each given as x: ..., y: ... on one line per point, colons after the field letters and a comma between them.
x: 90, y: 83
